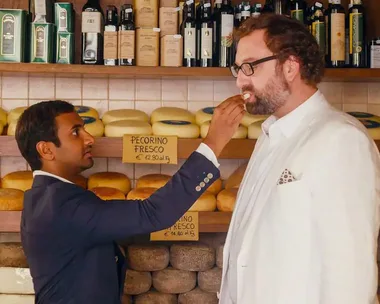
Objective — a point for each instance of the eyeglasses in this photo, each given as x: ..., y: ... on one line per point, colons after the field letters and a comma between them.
x: 248, y: 68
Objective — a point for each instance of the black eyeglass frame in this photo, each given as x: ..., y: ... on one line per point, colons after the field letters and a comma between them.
x: 235, y: 68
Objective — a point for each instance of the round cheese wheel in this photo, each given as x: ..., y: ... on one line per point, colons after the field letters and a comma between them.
x: 12, y: 255
x: 241, y: 132
x: 110, y: 179
x: 108, y: 193
x: 152, y: 181
x: 148, y: 257
x: 226, y: 199
x: 180, y: 128
x: 87, y: 111
x: 93, y: 126
x: 236, y: 177
x: 174, y: 281
x: 21, y: 180
x: 206, y: 202
x: 373, y: 127
x: 219, y: 256
x: 126, y: 299
x: 210, y: 280
x: 203, y: 115
x: 137, y: 282
x: 215, y: 187
x: 140, y: 193
x: 124, y: 114
x: 254, y: 129
x: 80, y: 181
x: 155, y: 297
x: 11, y: 131
x: 3, y: 117
x: 249, y: 119
x: 15, y: 114
x: 16, y: 281
x: 171, y: 113
x: 198, y: 296
x: 11, y: 200
x: 192, y: 256
x: 364, y: 115
x: 132, y: 127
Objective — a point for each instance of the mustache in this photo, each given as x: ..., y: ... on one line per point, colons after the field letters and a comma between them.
x: 247, y: 88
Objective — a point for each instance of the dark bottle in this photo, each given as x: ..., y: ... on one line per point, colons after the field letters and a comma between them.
x: 205, y: 34
x: 110, y: 37
x: 92, y: 33
x: 357, y: 34
x: 318, y: 26
x: 216, y: 20
x: 337, y: 45
x: 237, y: 15
x: 188, y: 29
x: 326, y: 14
x: 127, y: 36
x: 245, y: 11
x: 226, y: 32
x: 268, y: 7
x: 297, y: 10
x: 256, y: 10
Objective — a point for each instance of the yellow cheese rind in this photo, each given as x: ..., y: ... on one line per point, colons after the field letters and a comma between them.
x: 130, y: 127
x: 171, y: 113
x: 124, y: 114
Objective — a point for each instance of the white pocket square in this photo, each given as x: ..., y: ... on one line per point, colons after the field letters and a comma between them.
x: 286, y: 177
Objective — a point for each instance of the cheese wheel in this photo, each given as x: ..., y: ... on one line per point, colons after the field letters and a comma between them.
x: 236, y: 177
x: 11, y: 131
x: 210, y: 280
x: 110, y: 179
x: 219, y: 256
x: 171, y: 113
x: 226, y: 199
x: 155, y: 297
x: 108, y: 193
x: 80, y: 181
x: 3, y: 117
x: 152, y: 181
x: 93, y: 126
x: 198, y: 296
x: 204, y: 115
x: 215, y: 187
x: 86, y: 111
x: 11, y: 200
x: 12, y: 255
x: 126, y: 299
x: 241, y: 132
x: 192, y: 256
x: 17, y: 299
x: 180, y: 128
x: 373, y: 127
x: 131, y: 127
x: 140, y: 193
x: 206, y: 202
x: 174, y: 281
x: 125, y: 114
x: 16, y: 281
x: 249, y: 119
x: 364, y: 115
x: 21, y: 180
x: 148, y: 257
x: 137, y: 282
x: 15, y: 114
x: 254, y: 129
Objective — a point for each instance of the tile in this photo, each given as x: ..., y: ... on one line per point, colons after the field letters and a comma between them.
x: 68, y: 88
x: 148, y: 89
x: 34, y: 101
x: 143, y: 169
x: 225, y: 89
x: 9, y: 104
x: 355, y: 107
x: 338, y: 106
x: 200, y: 90
x: 100, y: 165
x: 374, y: 93
x: 95, y: 88
x: 121, y: 89
x: 333, y: 91
x: 11, y: 164
x: 227, y: 167
x: 176, y: 104
x: 147, y: 106
x: 374, y: 109
x: 116, y: 165
x: 121, y: 104
x: 42, y: 88
x: 172, y: 169
x: 174, y: 89
x: 100, y: 105
x: 14, y: 87
x: 195, y: 106
x: 355, y: 93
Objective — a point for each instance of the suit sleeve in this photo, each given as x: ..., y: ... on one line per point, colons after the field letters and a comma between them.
x: 345, y: 197
x: 92, y: 220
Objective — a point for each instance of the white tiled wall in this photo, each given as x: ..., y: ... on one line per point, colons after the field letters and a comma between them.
x: 147, y: 94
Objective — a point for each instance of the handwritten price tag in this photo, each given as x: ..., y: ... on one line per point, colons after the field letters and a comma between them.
x: 150, y: 149
x: 186, y: 229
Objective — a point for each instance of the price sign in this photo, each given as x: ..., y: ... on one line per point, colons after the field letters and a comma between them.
x: 186, y: 229
x: 150, y: 149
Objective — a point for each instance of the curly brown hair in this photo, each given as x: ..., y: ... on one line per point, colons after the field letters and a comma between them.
x: 287, y: 37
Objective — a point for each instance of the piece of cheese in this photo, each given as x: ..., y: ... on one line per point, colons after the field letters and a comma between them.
x: 11, y: 131
x: 17, y: 299
x: 155, y: 297
x: 210, y: 280
x: 140, y: 193
x: 152, y: 181
x: 11, y: 200
x: 12, y: 255
x: 21, y: 180
x: 130, y: 127
x: 180, y: 128
x: 254, y: 129
x: 137, y: 282
x: 206, y: 202
x: 250, y: 118
x: 108, y: 193
x: 174, y: 281
x: 226, y: 199
x: 148, y: 257
x: 124, y: 114
x: 15, y: 114
x: 171, y: 113
x: 198, y: 296
x: 109, y: 179
x: 87, y: 111
x: 16, y: 281
x: 3, y: 117
x: 241, y: 132
x: 204, y: 115
x: 93, y: 126
x: 236, y: 177
x: 192, y: 256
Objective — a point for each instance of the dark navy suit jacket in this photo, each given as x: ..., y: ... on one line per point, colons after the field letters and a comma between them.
x: 69, y: 234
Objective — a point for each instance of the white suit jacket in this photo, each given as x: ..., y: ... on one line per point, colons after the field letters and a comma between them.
x: 313, y: 240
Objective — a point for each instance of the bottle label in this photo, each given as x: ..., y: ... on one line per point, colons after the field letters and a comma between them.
x: 338, y: 37
x: 319, y: 32
x: 62, y: 18
x: 206, y: 43
x: 63, y: 46
x: 245, y: 13
x: 40, y: 49
x: 356, y: 33
x: 8, y: 46
x: 110, y: 45
x: 327, y: 34
x: 375, y: 56
x: 127, y: 44
x: 227, y: 29
x: 297, y: 14
x: 91, y: 22
x: 189, y: 47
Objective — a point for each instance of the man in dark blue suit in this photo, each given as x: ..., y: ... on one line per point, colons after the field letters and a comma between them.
x: 69, y: 234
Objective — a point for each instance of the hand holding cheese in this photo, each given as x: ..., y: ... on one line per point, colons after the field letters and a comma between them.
x: 224, y: 123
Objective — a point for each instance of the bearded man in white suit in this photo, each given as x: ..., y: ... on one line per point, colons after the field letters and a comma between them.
x: 306, y: 220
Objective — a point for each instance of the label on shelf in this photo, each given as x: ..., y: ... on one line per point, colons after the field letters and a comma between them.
x: 185, y: 229
x: 150, y: 149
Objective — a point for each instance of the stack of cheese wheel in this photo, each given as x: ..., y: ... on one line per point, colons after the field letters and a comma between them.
x: 249, y: 119
x: 226, y: 199
x: 140, y: 193
x: 370, y: 121
x: 206, y: 202
x: 204, y: 115
x: 111, y: 180
x: 12, y: 119
x: 108, y: 193
x: 236, y: 177
x: 147, y: 184
x: 3, y: 120
x: 241, y: 132
x: 93, y: 126
x: 124, y: 114
x: 215, y: 187
x: 11, y: 199
x: 254, y: 129
x: 21, y: 180
x: 87, y: 111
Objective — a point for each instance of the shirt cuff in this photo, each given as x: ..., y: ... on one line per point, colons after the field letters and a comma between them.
x: 208, y: 153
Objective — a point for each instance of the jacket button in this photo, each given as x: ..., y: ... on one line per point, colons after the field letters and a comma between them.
x: 202, y: 184
x: 197, y: 188
x: 206, y: 180
x: 210, y: 176
x: 116, y: 259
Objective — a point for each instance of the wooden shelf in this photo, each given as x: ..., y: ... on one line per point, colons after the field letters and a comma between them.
x: 113, y: 147
x: 208, y: 221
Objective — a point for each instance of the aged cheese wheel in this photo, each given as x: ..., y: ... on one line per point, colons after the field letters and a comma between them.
x: 174, y: 281
x: 12, y: 255
x: 16, y: 281
x: 210, y: 280
x: 87, y: 111
x: 206, y: 202
x: 124, y: 114
x: 236, y: 177
x: 204, y: 115
x: 21, y: 180
x: 3, y: 117
x: 148, y: 257
x: 249, y: 119
x: 373, y: 127
x: 93, y: 126
x: 140, y: 193
x: 254, y: 129
x: 171, y: 113
x: 215, y: 187
x: 219, y: 256
x: 126, y: 299
x: 192, y: 256
x: 137, y: 282
x: 130, y: 127
x: 364, y: 115
x: 17, y: 299
x: 155, y: 297
x: 241, y: 132
x: 198, y: 296
x: 80, y: 181
x: 15, y: 114
x: 110, y: 179
x: 152, y: 181
x: 226, y: 199
x: 11, y: 131
x: 180, y: 128
x: 11, y: 199
x: 108, y: 193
